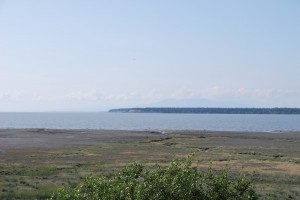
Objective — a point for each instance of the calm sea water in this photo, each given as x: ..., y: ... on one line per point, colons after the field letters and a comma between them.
x: 144, y: 121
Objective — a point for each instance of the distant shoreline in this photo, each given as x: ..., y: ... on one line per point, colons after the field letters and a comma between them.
x: 204, y: 110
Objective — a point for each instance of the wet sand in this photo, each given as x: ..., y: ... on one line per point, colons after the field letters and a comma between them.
x: 58, y: 138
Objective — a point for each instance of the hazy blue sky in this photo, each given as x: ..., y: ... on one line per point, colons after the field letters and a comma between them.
x: 88, y: 55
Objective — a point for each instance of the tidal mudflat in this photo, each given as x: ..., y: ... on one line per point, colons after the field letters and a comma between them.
x: 34, y: 162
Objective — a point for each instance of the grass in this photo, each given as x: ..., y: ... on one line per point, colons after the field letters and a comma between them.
x: 37, y: 173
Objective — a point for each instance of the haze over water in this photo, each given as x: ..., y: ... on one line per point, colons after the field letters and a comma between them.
x: 151, y: 121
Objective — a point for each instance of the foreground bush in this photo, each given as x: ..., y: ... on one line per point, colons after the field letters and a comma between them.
x: 177, y: 181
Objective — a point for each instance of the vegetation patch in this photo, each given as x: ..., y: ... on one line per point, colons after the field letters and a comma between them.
x: 178, y: 180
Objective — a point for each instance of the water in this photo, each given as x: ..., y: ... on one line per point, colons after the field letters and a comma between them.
x: 153, y: 121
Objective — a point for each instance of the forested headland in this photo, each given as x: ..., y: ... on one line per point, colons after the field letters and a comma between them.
x: 287, y: 111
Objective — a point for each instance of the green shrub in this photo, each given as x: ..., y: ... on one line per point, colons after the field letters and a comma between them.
x: 176, y: 181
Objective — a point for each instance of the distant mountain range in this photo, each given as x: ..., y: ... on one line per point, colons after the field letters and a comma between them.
x: 203, y: 110
x: 196, y: 103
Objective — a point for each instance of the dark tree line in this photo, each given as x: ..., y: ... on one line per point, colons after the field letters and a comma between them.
x: 289, y: 111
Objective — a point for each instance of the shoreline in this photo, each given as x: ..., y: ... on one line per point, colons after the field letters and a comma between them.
x: 150, y: 130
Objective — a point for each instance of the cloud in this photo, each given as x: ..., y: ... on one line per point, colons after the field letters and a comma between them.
x: 216, y: 92
x: 93, y: 99
x: 4, y: 96
x: 12, y: 96
x: 246, y: 96
x: 89, y: 95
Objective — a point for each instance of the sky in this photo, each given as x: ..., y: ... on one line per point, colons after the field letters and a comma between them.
x: 93, y: 55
